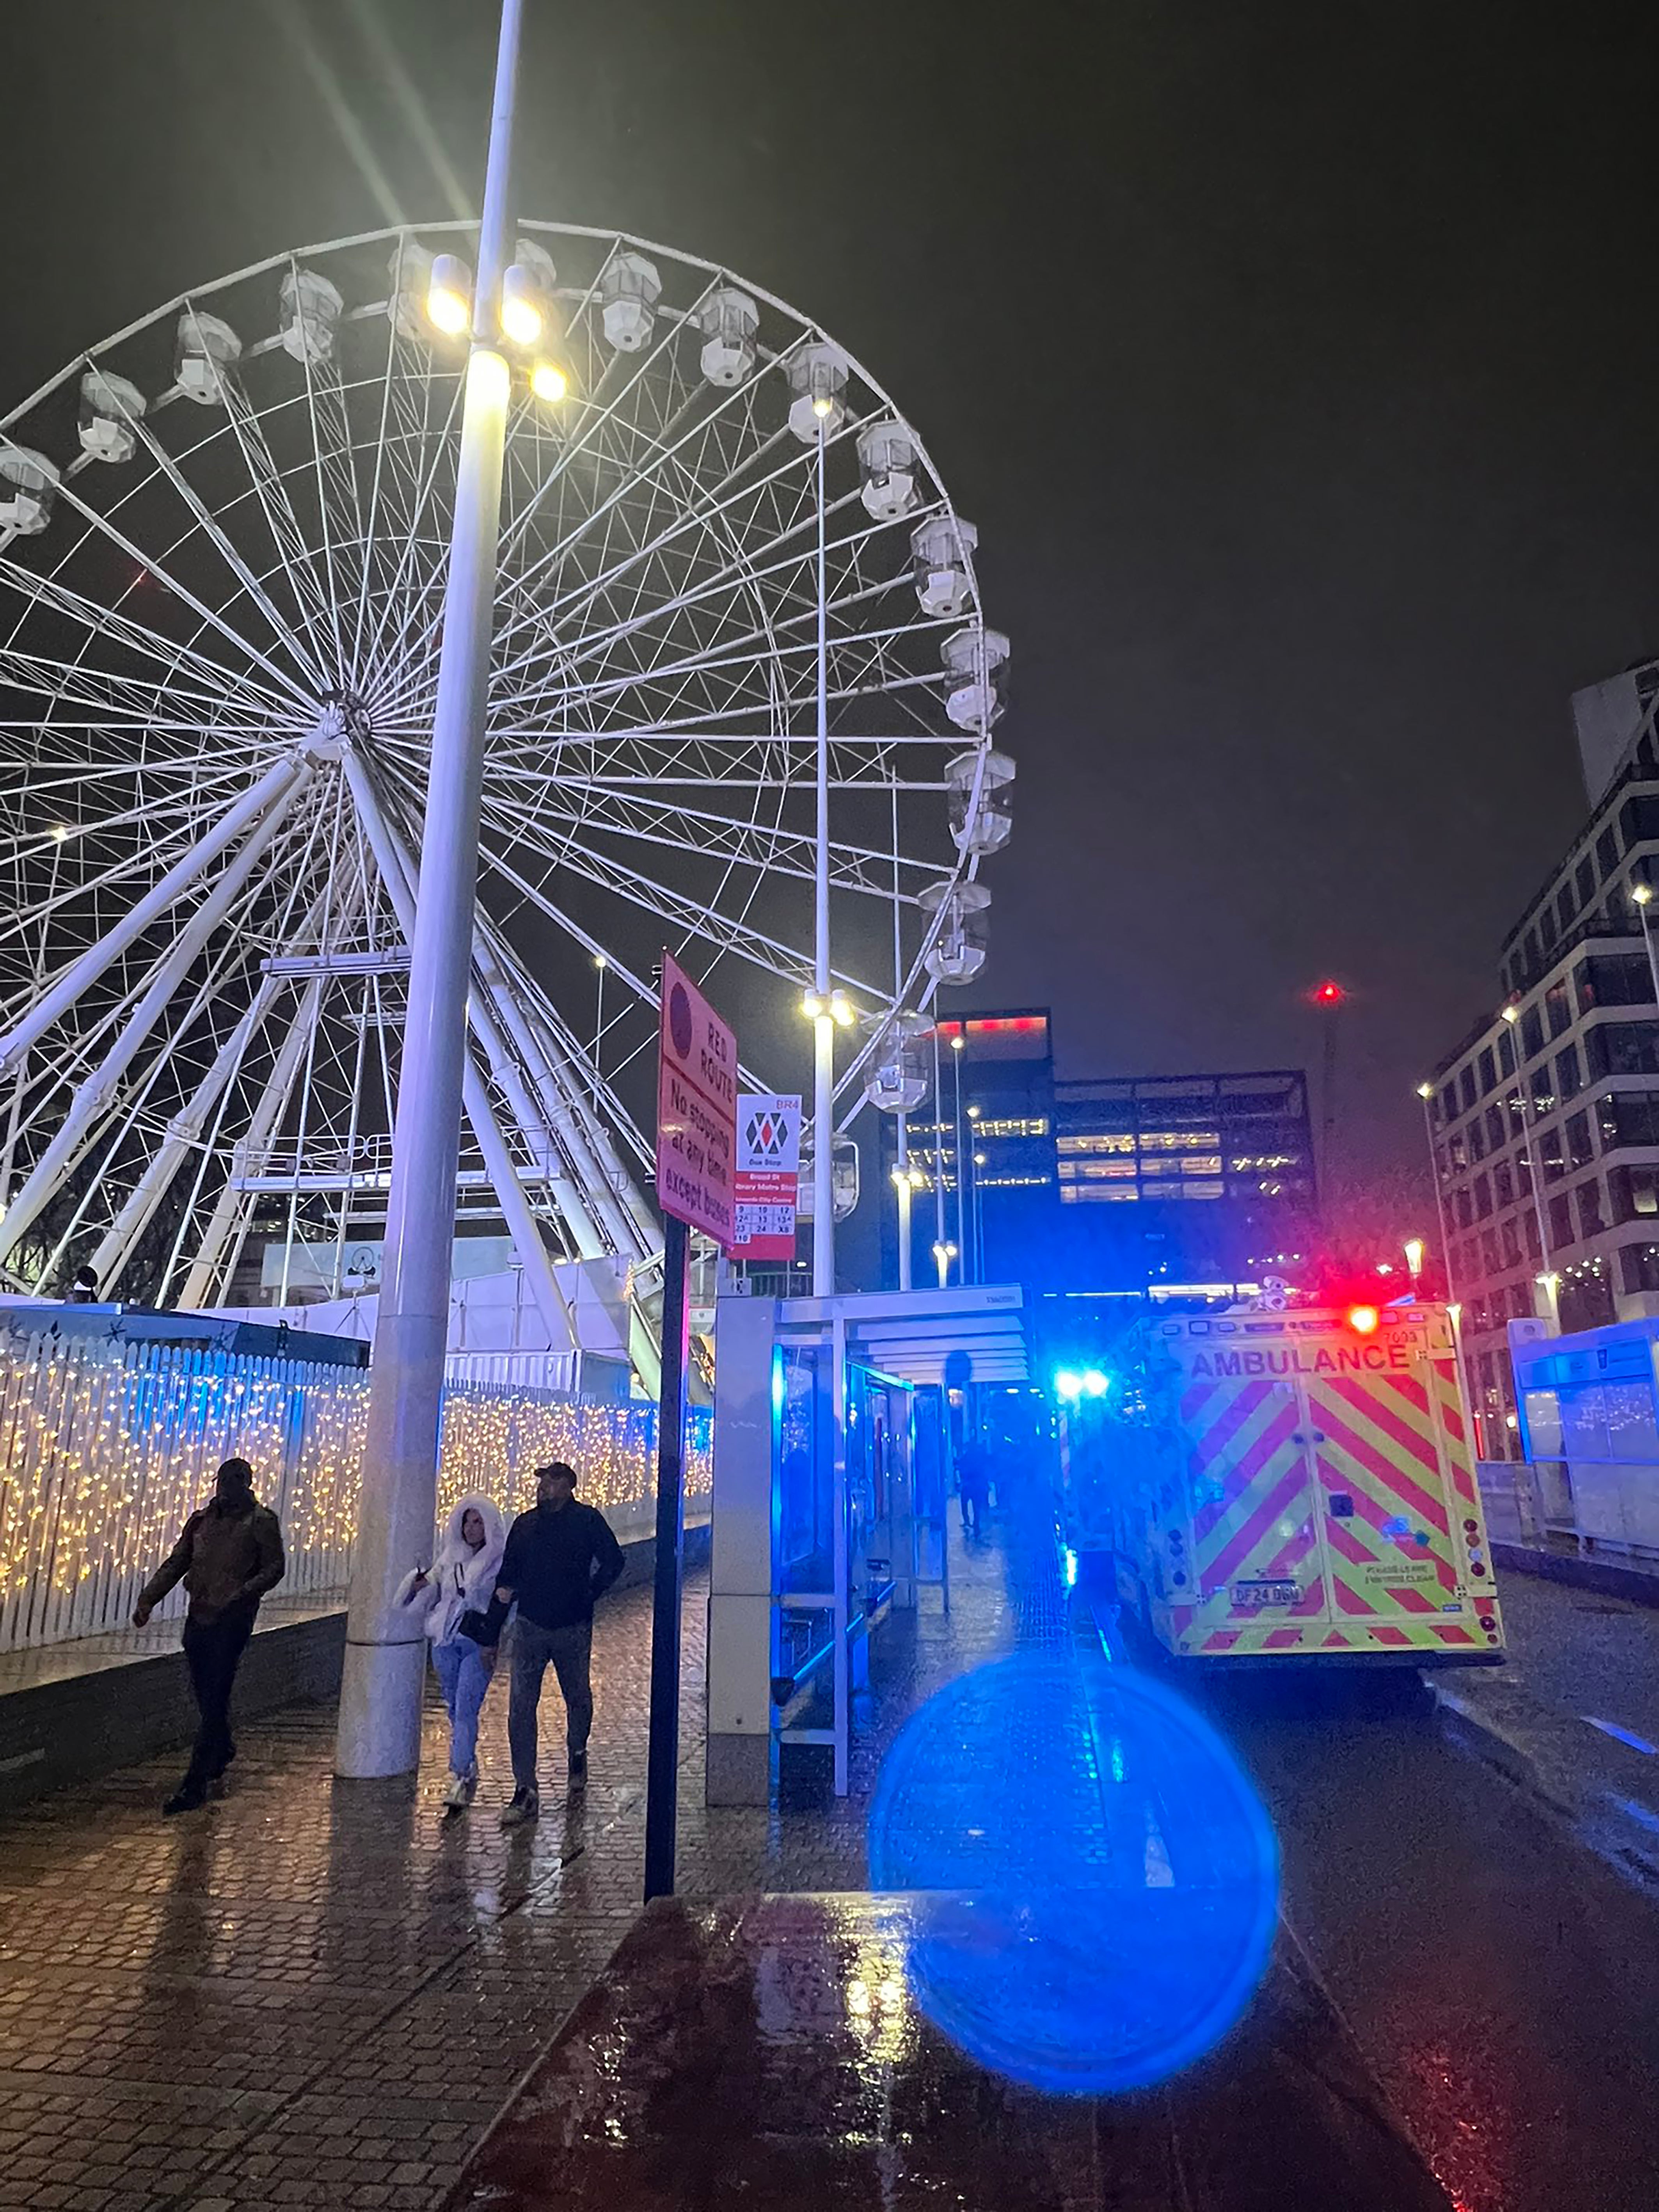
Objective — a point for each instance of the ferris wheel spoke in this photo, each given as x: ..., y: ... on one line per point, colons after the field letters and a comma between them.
x: 746, y: 574
x: 159, y: 572
x: 394, y: 489
x: 591, y: 421
x: 728, y: 935
x: 864, y: 649
x: 410, y: 591
x: 336, y: 482
x: 169, y: 844
x: 688, y: 522
x: 746, y: 565
x: 297, y: 647
x: 768, y: 847
x: 124, y: 698
x: 552, y: 557
x: 312, y: 601
x: 106, y: 625
x: 709, y: 720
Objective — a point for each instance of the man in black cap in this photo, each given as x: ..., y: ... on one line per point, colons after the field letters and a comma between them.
x: 229, y: 1555
x: 561, y: 1556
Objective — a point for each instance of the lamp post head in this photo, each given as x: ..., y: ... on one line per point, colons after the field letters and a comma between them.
x: 1425, y: 1091
x: 1511, y: 1014
x: 1641, y: 893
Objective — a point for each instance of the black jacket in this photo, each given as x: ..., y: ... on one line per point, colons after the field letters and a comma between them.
x: 558, y: 1562
x: 224, y: 1559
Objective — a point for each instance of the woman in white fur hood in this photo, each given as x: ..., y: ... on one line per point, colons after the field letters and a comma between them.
x: 454, y: 1595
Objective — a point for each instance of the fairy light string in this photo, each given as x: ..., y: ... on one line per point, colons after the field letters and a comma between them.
x: 106, y: 1447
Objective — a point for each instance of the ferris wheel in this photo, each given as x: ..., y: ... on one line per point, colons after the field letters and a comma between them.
x: 223, y: 543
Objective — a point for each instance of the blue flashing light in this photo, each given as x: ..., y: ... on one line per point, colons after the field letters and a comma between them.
x: 1068, y: 1384
x: 1094, y: 1384
x: 1079, y: 1941
x: 1071, y: 1569
x: 779, y: 1387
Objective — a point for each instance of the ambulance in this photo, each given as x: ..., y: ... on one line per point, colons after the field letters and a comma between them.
x: 1294, y: 1485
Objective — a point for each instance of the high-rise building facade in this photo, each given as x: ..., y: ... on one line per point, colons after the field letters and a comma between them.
x: 1183, y: 1185
x: 1545, y: 1120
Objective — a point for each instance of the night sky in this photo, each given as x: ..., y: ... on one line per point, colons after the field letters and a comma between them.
x: 1300, y: 367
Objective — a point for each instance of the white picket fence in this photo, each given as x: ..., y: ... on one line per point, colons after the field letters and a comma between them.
x: 106, y: 1447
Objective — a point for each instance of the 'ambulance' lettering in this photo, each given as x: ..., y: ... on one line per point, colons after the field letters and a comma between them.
x: 1306, y: 1359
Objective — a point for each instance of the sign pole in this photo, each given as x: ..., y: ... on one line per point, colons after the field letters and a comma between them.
x: 696, y: 1139
x: 662, y: 1761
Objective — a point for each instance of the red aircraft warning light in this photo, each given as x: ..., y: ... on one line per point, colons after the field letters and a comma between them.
x: 1328, y: 994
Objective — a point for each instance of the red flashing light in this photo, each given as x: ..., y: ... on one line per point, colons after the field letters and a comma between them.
x: 1328, y: 994
x: 1364, y: 1320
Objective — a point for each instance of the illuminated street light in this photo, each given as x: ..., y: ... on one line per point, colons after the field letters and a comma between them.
x: 1643, y: 894
x: 1511, y: 1014
x: 1414, y: 1248
x: 521, y: 307
x: 1425, y: 1091
x: 842, y: 1011
x: 449, y: 295
x: 548, y: 382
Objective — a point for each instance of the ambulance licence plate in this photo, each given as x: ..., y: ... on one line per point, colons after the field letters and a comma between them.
x: 1252, y: 1596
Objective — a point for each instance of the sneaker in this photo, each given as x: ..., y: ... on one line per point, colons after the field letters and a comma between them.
x: 579, y: 1766
x: 525, y: 1807
x: 458, y: 1796
x: 188, y: 1797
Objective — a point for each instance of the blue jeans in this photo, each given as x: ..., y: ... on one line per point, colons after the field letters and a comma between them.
x: 464, y: 1672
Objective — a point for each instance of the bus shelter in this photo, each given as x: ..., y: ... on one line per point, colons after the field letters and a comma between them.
x: 833, y: 1469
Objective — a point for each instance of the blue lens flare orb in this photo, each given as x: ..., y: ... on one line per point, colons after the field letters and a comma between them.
x: 1098, y: 1880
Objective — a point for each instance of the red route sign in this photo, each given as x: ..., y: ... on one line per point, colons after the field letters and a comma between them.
x: 696, y: 1108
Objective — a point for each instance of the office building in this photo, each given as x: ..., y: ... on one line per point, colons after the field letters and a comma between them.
x: 1545, y: 1120
x: 1183, y: 1186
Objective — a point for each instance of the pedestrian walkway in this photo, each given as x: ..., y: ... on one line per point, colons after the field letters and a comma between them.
x: 316, y: 1993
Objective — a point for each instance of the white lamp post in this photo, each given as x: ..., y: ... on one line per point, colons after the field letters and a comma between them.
x: 823, y: 1025
x: 379, y: 1723
x: 1643, y: 895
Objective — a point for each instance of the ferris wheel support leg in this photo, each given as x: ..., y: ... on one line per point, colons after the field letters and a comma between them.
x: 57, y: 1002
x: 396, y: 872
x: 221, y: 1242
x: 185, y: 1128
x: 517, y: 1211
x: 94, y: 1096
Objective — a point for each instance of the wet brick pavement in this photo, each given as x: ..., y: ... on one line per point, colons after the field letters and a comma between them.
x: 317, y: 1993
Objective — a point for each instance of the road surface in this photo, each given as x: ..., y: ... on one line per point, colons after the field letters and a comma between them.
x: 1477, y: 1886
